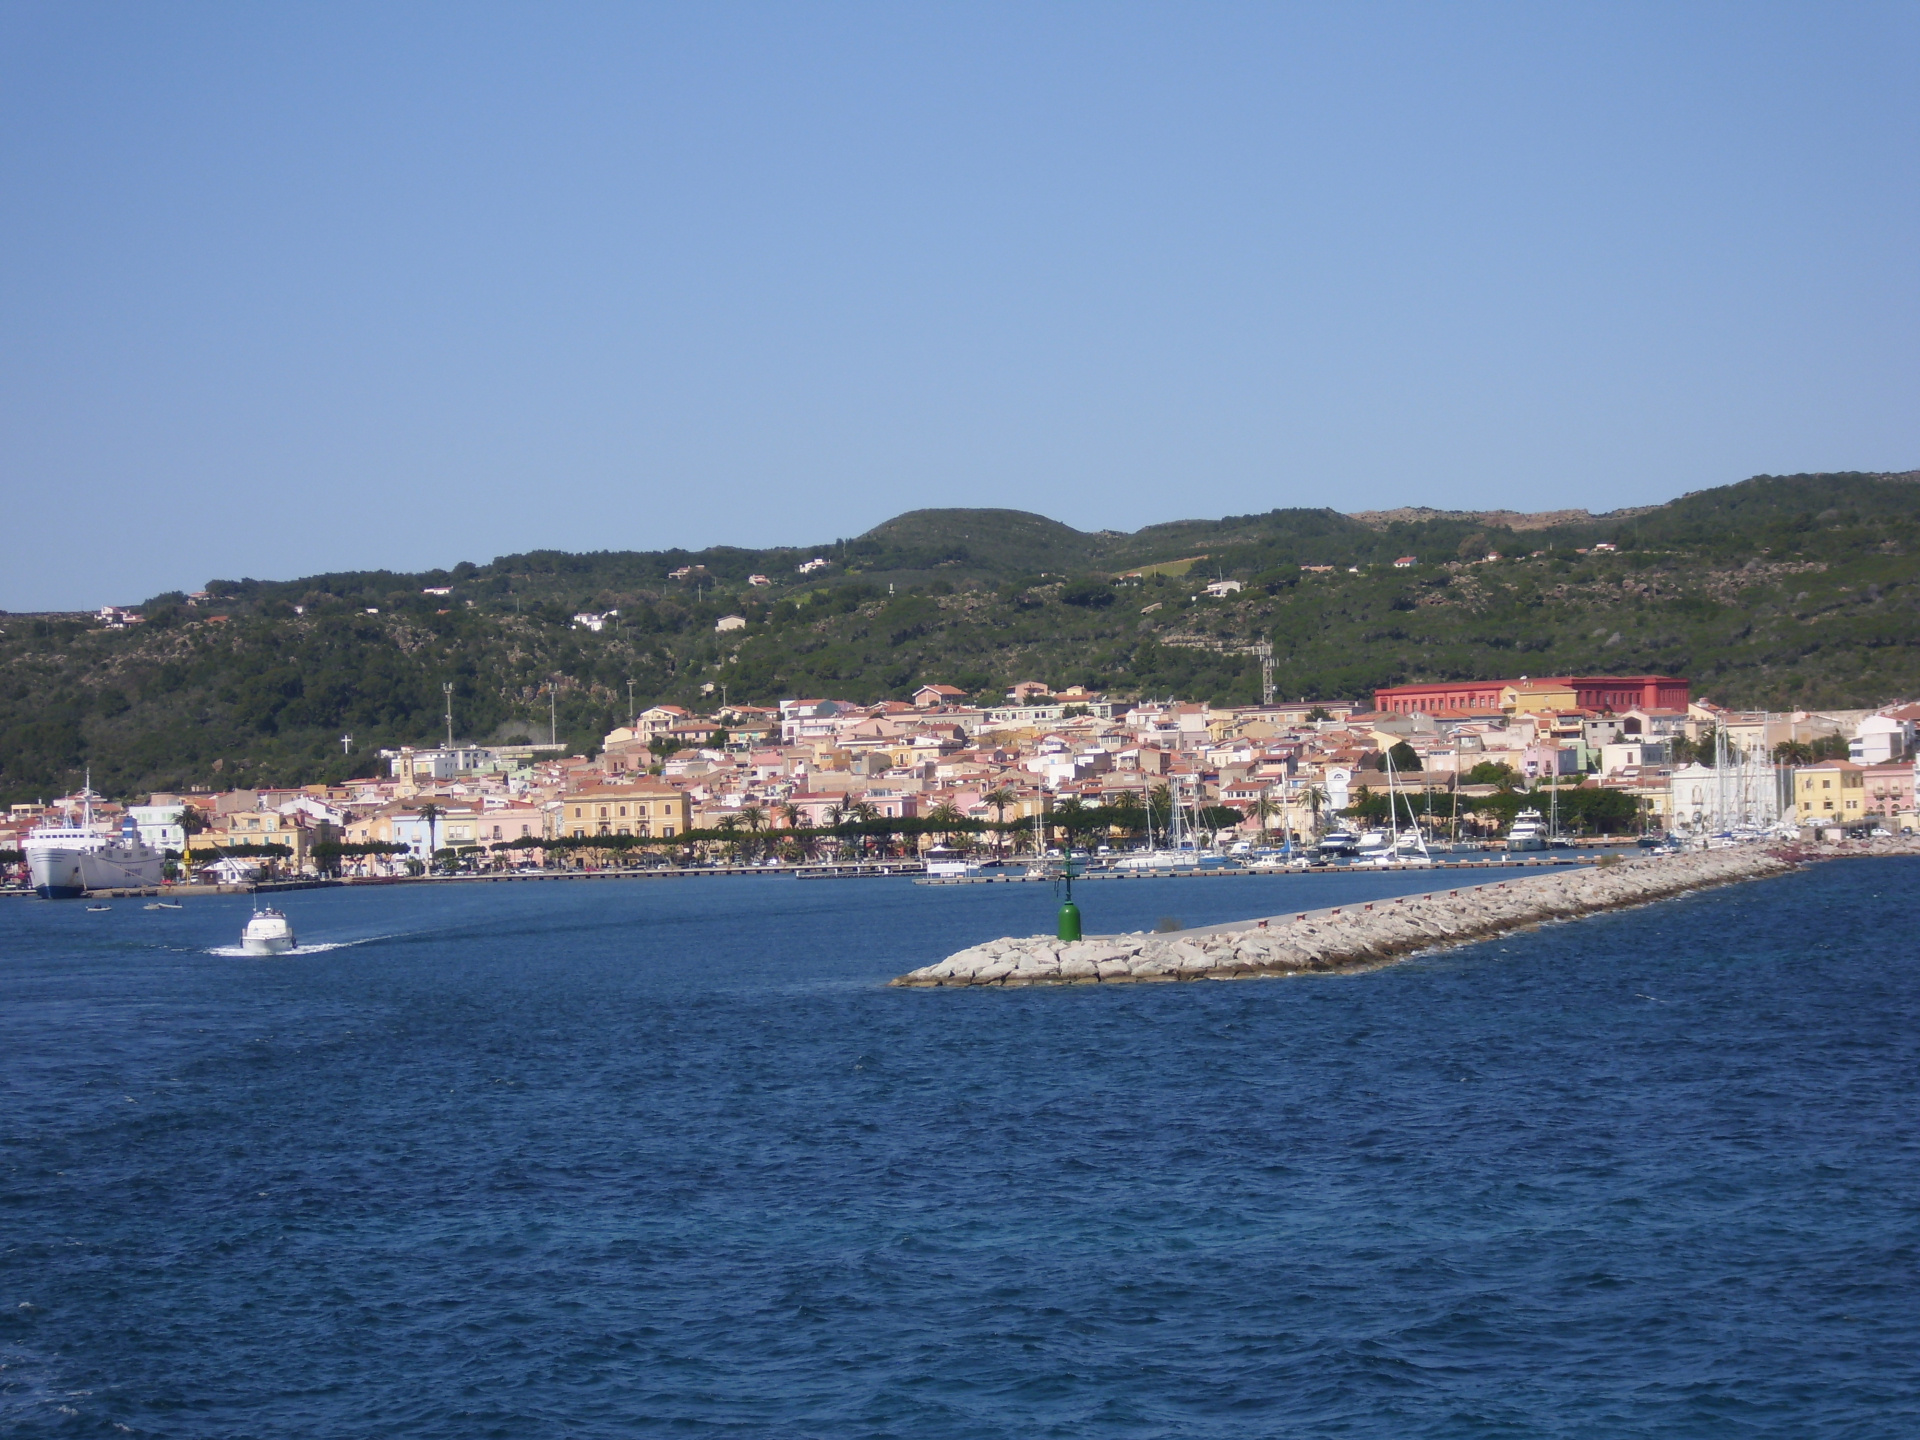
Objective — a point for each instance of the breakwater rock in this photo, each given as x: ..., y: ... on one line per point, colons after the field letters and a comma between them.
x: 1348, y: 937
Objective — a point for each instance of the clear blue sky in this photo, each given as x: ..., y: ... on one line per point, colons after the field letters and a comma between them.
x: 286, y: 288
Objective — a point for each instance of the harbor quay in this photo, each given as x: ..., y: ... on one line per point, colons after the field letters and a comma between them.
x: 1367, y: 935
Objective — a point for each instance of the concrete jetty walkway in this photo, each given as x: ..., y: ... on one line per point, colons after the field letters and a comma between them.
x: 1353, y: 937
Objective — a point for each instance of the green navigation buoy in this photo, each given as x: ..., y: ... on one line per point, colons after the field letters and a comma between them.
x: 1069, y: 921
x: 1069, y: 912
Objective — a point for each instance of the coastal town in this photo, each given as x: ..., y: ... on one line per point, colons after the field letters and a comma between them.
x: 815, y: 780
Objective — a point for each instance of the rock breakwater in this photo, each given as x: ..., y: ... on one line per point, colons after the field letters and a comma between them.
x: 1348, y: 937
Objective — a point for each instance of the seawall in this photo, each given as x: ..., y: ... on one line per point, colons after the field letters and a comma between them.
x: 1354, y: 937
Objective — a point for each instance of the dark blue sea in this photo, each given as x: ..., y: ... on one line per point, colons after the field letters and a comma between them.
x: 666, y: 1158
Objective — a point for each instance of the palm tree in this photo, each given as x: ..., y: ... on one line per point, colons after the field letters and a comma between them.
x: 1264, y: 810
x: 1000, y: 797
x: 1071, y: 816
x: 947, y: 817
x: 865, y: 813
x: 430, y: 813
x: 755, y: 819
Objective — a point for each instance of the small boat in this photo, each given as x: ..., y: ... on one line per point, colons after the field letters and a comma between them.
x: 267, y: 933
x: 944, y: 861
x: 166, y: 905
x: 99, y: 907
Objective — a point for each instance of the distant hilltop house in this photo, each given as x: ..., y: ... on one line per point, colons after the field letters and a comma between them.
x: 758, y: 580
x: 115, y: 617
x: 730, y: 622
x: 686, y: 572
x: 1528, y: 696
x: 1027, y: 690
x: 929, y: 697
x: 1220, y: 589
x: 1405, y: 562
x: 819, y: 562
x: 1318, y: 569
x: 587, y: 620
x: 437, y: 590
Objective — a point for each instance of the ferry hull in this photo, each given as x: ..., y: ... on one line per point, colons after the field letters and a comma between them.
x: 55, y: 873
x: 62, y: 873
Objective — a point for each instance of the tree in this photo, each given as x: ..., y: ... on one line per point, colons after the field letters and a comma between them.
x: 431, y: 814
x: 1264, y: 810
x: 1000, y: 797
x: 755, y: 821
x: 1402, y: 754
x: 1128, y: 813
x: 947, y: 818
x: 1493, y: 772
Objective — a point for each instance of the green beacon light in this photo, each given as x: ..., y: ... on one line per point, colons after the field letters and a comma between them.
x: 1069, y: 912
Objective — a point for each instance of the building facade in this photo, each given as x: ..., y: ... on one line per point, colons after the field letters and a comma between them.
x: 1585, y: 692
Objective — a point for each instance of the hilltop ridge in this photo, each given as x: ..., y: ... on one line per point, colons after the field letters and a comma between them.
x: 1780, y: 591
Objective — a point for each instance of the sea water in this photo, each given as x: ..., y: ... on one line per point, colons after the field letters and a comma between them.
x: 667, y: 1158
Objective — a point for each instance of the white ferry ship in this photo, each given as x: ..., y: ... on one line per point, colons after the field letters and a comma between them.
x: 69, y: 857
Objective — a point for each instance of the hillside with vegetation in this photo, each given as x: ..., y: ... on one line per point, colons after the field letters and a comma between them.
x: 1780, y: 591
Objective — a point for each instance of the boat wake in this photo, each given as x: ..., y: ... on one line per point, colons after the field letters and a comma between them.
x: 240, y: 952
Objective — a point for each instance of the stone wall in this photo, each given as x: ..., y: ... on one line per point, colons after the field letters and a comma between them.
x: 1372, y: 933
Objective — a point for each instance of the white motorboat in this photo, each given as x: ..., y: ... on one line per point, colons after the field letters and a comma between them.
x: 268, y: 932
x: 951, y: 864
x: 1373, y: 847
x: 1529, y: 831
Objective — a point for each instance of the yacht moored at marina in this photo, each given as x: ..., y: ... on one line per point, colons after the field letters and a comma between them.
x: 1529, y: 831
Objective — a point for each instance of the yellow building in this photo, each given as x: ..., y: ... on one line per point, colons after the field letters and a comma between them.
x: 1532, y: 697
x: 647, y: 809
x: 1831, y: 794
x: 298, y: 833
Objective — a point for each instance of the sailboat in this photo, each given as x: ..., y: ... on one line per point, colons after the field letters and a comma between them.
x: 1182, y: 850
x: 1394, y: 846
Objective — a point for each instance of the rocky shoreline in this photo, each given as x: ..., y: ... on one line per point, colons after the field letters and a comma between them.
x: 1361, y: 936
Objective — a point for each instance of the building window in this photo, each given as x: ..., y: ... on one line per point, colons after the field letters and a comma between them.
x: 667, y: 830
x: 578, y: 833
x: 623, y: 815
x: 576, y: 812
x: 525, y: 831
